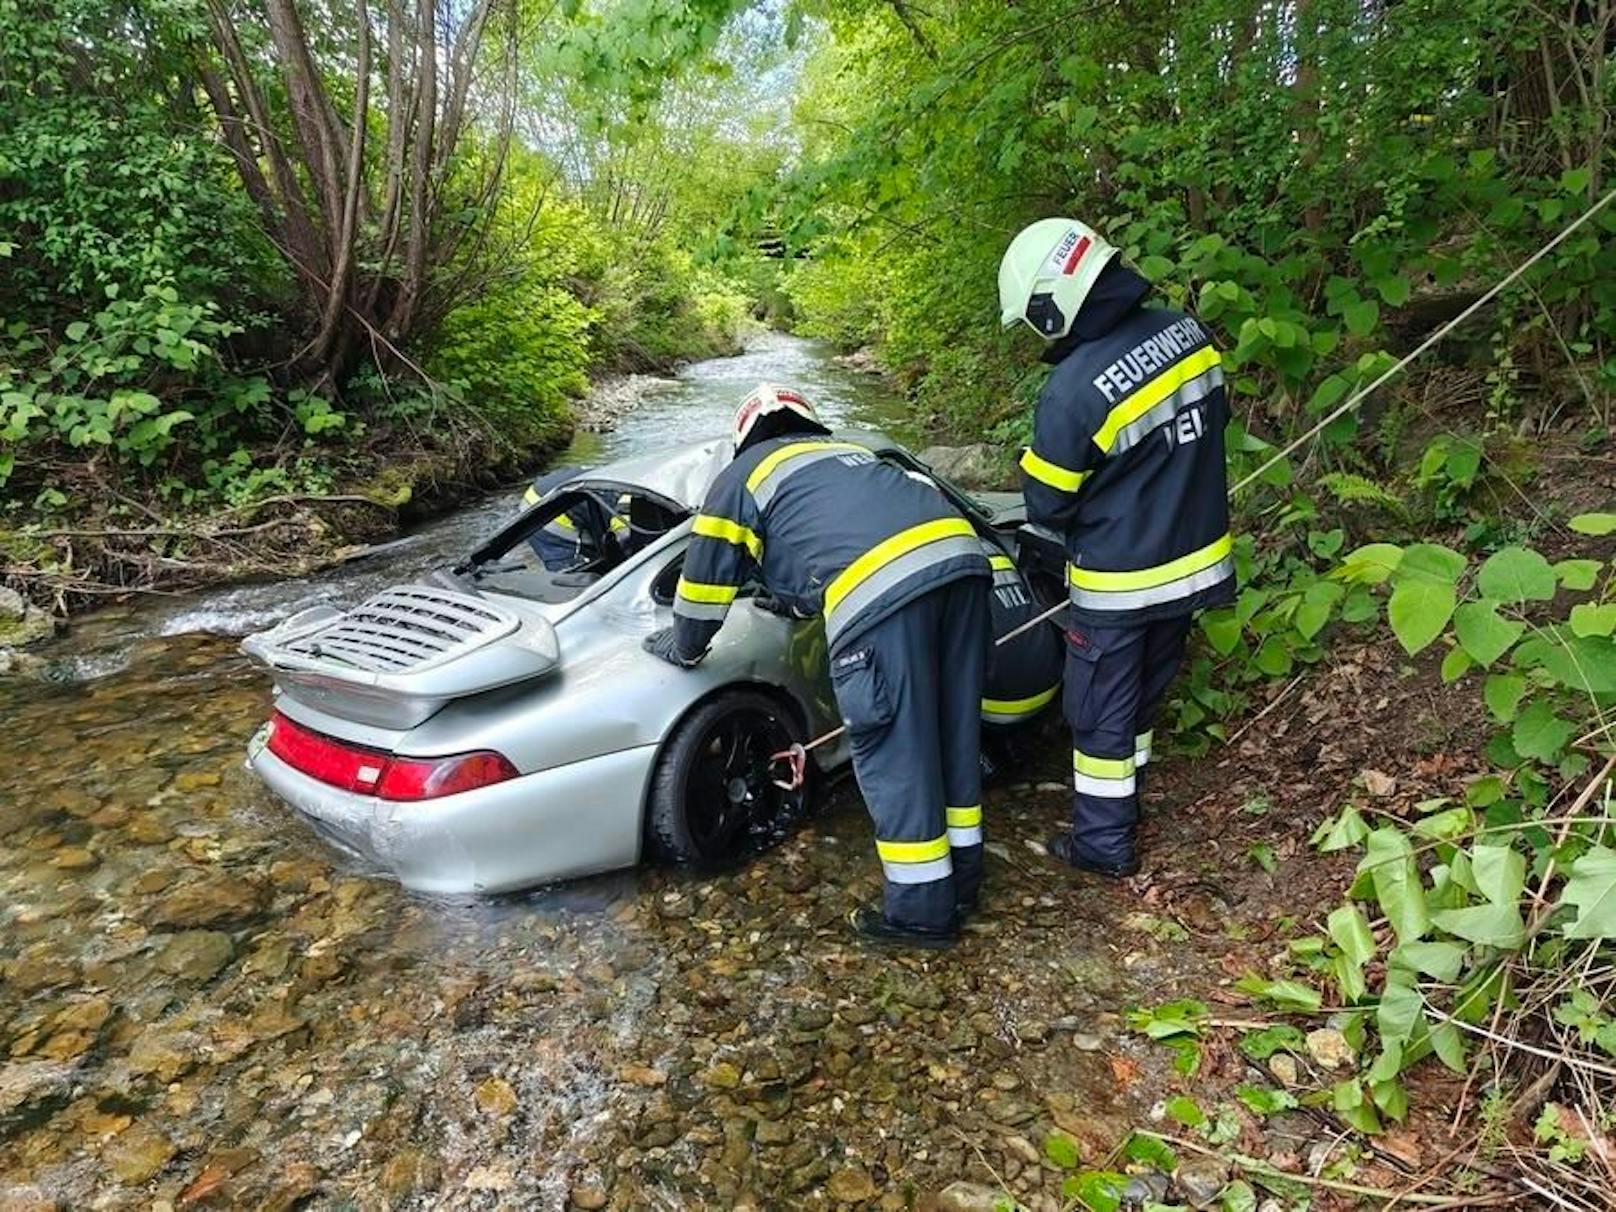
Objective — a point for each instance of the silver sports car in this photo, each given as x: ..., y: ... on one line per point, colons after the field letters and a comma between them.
x: 498, y: 725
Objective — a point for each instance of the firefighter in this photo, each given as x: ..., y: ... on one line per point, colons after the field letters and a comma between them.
x: 1126, y: 463
x: 572, y: 538
x: 1024, y: 673
x: 902, y: 582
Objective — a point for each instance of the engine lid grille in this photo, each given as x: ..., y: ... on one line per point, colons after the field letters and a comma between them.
x: 406, y: 628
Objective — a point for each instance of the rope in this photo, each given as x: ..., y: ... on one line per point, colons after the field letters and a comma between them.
x: 797, y: 753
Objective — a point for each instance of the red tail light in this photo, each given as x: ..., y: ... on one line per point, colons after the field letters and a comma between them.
x: 374, y: 772
x: 427, y: 779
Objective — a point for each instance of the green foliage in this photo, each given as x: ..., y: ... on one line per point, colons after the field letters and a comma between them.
x: 518, y: 355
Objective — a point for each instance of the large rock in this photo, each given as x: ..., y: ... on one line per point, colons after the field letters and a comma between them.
x: 980, y: 465
x: 21, y: 622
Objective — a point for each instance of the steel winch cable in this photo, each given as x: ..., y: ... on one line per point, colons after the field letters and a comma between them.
x: 796, y: 756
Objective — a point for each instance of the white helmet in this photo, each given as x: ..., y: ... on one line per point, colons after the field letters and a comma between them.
x: 767, y: 398
x: 1047, y: 272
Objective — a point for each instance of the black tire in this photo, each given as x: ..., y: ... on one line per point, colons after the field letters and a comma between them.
x: 712, y: 791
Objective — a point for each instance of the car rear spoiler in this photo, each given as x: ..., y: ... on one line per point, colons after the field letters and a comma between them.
x: 396, y: 659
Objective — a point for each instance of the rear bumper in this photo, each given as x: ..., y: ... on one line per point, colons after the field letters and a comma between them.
x: 567, y: 821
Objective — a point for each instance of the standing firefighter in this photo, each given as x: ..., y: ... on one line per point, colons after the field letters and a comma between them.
x: 903, y: 584
x: 1127, y: 464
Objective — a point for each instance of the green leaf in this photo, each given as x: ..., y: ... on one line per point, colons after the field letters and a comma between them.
x: 1286, y: 994
x: 1329, y: 393
x: 1578, y: 574
x: 1446, y: 825
x: 1594, y: 523
x: 1499, y: 872
x: 1584, y: 664
x: 1502, y: 694
x: 1440, y: 961
x: 1348, y: 1101
x: 1418, y: 611
x: 76, y: 330
x: 1182, y: 1017
x: 1517, y: 574
x: 1361, y: 317
x: 1238, y: 1196
x: 1263, y: 1100
x: 1485, y: 634
x: 1574, y: 180
x: 1394, y: 288
x: 1317, y: 604
x: 1588, y: 619
x: 1096, y: 1190
x: 1456, y: 664
x: 1341, y: 832
x: 1152, y: 1151
x: 1349, y: 930
x: 1222, y: 628
x: 1430, y: 562
x: 1371, y: 564
x: 1389, y: 862
x: 1492, y: 925
x: 1273, y: 658
x: 1541, y: 734
x: 1281, y: 1037
x: 1062, y: 1150
x: 1398, y: 1017
x: 1448, y: 1043
x: 1262, y: 854
x: 1392, y: 1099
x: 1155, y: 268
x: 1591, y: 889
x: 1186, y: 1111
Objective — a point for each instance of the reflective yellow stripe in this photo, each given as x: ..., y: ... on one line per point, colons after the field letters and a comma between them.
x: 1056, y: 476
x: 1153, y: 393
x: 884, y: 552
x: 531, y: 496
x: 618, y: 524
x: 564, y: 522
x: 716, y: 595
x: 1102, y: 768
x: 1002, y: 563
x: 1161, y: 574
x: 912, y: 852
x: 1020, y: 706
x: 730, y: 532
x: 964, y: 818
x: 763, y: 470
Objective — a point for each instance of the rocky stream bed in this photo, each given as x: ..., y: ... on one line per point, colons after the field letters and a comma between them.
x: 202, y: 1006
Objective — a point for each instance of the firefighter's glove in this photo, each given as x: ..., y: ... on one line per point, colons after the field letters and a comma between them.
x: 772, y: 604
x: 662, y: 644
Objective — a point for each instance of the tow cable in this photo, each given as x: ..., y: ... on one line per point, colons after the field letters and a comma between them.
x: 796, y: 757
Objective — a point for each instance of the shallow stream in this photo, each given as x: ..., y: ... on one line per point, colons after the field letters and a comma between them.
x: 203, y: 1006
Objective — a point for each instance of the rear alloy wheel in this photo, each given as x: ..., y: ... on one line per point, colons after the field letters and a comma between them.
x: 712, y: 789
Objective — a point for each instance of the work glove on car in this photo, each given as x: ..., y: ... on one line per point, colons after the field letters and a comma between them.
x: 662, y: 644
x: 772, y: 604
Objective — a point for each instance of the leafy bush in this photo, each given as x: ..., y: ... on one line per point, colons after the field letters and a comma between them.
x: 519, y: 356
x: 138, y: 378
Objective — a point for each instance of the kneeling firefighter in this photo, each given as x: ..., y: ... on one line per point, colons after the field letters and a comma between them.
x: 903, y: 583
x: 571, y: 538
x: 1024, y: 674
x: 1126, y: 464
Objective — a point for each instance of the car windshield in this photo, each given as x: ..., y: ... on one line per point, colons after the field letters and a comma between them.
x: 570, y: 540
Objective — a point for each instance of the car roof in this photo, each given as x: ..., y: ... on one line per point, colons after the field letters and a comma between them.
x: 683, y: 474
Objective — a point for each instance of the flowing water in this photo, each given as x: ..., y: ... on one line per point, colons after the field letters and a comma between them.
x: 203, y: 1006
